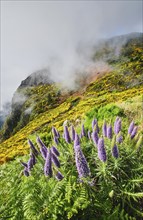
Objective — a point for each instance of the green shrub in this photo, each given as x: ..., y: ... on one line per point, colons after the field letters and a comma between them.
x: 112, y: 191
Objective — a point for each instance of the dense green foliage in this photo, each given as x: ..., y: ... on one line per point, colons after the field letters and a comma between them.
x: 113, y: 191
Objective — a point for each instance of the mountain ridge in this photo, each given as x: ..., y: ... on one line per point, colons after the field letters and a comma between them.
x: 42, y: 103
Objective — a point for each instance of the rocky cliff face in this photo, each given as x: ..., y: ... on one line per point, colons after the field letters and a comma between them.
x: 22, y: 105
x: 37, y: 78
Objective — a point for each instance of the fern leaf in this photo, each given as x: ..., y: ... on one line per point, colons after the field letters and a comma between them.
x: 134, y: 195
x: 137, y: 180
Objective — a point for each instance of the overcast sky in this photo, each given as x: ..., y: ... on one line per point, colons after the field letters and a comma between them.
x: 33, y: 32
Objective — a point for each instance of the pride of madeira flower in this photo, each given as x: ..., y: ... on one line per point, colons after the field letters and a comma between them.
x: 81, y: 163
x: 48, y: 164
x: 66, y: 134
x: 101, y: 150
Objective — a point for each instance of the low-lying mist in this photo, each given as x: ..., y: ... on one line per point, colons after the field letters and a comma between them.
x: 74, y: 63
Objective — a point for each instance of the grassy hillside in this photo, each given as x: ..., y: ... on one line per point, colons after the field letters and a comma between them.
x: 98, y: 94
x: 96, y: 175
x: 47, y: 105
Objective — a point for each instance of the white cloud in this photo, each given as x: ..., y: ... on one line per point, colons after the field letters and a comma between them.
x: 34, y: 33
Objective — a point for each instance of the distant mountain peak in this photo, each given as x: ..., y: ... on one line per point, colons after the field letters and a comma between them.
x: 37, y: 78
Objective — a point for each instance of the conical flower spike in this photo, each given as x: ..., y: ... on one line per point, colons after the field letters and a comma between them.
x: 34, y: 150
x: 81, y: 163
x: 77, y: 140
x: 109, y: 132
x: 59, y: 176
x: 134, y: 132
x: 101, y: 150
x: 95, y: 137
x: 48, y: 165
x: 66, y: 134
x: 55, y: 160
x: 131, y: 127
x: 115, y: 151
x: 72, y: 133
x: 117, y: 125
x: 55, y: 151
x: 94, y: 121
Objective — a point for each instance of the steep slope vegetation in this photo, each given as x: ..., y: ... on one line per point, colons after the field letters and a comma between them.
x: 46, y: 105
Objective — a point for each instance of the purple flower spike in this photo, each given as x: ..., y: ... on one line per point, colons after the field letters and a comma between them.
x: 56, y: 140
x: 40, y: 143
x: 30, y: 164
x: 117, y: 125
x: 89, y: 135
x: 43, y: 152
x: 25, y: 172
x: 95, y: 137
x: 115, y: 151
x: 34, y: 150
x: 119, y: 139
x: 33, y: 159
x: 48, y: 165
x: 134, y: 132
x: 109, y: 132
x: 73, y: 133
x: 81, y: 163
x: 131, y: 127
x: 55, y: 160
x: 95, y: 125
x: 66, y: 134
x: 117, y: 118
x: 58, y: 134
x: 101, y: 150
x: 24, y: 164
x: 59, y: 176
x: 55, y: 151
x: 54, y: 131
x: 77, y: 140
x: 83, y: 133
x: 43, y: 148
x: 104, y: 129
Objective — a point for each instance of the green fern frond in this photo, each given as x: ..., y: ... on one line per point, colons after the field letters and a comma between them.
x: 139, y: 195
x: 137, y: 180
x: 125, y: 216
x: 138, y: 168
x: 68, y: 191
x: 58, y: 189
x: 134, y: 195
